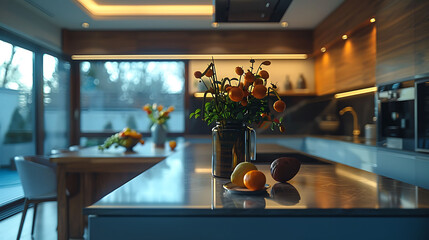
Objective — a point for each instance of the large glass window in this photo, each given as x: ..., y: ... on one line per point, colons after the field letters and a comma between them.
x: 114, y: 92
x: 56, y: 78
x: 16, y: 111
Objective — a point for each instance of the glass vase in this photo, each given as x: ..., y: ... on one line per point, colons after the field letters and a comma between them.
x: 232, y: 144
x: 159, y: 135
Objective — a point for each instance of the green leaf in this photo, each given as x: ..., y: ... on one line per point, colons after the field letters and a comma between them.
x: 192, y: 114
x: 197, y: 110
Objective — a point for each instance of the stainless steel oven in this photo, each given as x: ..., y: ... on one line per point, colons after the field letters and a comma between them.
x: 422, y: 115
x: 396, y: 118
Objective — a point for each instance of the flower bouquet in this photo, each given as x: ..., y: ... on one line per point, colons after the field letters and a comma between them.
x: 235, y: 104
x: 158, y: 116
x: 240, y: 99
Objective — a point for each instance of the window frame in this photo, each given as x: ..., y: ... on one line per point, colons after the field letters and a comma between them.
x: 77, y: 108
x: 38, y: 106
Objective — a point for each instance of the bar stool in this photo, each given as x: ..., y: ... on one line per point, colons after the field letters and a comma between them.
x: 39, y: 181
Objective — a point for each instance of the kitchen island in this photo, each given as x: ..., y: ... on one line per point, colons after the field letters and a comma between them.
x: 179, y: 199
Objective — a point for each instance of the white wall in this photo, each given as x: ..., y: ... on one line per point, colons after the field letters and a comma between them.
x: 23, y: 19
x: 278, y: 71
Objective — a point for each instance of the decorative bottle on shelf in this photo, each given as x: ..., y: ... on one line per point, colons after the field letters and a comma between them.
x: 301, y: 84
x: 288, y: 84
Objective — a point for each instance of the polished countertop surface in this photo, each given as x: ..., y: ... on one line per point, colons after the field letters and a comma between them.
x: 182, y: 185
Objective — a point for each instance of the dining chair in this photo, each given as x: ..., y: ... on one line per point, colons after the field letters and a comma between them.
x: 39, y: 181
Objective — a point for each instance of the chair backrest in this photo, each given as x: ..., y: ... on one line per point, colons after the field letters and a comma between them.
x: 38, y: 180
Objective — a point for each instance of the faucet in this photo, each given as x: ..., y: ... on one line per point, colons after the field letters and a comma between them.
x: 356, y: 130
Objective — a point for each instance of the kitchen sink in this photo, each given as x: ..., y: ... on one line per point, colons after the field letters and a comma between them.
x: 304, y: 159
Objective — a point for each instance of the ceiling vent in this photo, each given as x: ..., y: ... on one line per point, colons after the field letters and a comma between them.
x: 250, y: 10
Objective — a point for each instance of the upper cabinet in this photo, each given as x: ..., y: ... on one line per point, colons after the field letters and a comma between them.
x: 395, y: 40
x: 421, y: 36
x: 402, y: 39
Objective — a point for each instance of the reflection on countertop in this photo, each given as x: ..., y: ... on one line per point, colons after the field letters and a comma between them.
x: 182, y: 185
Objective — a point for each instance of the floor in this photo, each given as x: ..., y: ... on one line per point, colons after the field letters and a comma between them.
x: 45, y: 228
x: 10, y: 186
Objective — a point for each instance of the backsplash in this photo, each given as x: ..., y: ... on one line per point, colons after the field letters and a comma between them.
x: 304, y: 115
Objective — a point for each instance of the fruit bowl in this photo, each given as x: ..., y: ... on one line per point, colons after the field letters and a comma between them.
x: 127, y: 138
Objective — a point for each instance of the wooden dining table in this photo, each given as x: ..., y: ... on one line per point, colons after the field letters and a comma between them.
x: 88, y: 174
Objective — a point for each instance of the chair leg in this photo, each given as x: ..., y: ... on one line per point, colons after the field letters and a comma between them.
x: 34, y: 218
x: 22, y: 218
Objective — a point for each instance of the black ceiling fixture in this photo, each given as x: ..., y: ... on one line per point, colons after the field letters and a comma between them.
x: 250, y: 10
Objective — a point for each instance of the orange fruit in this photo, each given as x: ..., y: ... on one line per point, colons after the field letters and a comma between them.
x: 236, y: 94
x: 239, y: 71
x: 172, y: 144
x: 279, y: 106
x: 244, y: 102
x: 259, y: 81
x: 198, y: 74
x: 209, y: 73
x: 264, y: 74
x: 254, y: 180
x: 266, y: 63
x: 259, y: 91
x: 249, y: 77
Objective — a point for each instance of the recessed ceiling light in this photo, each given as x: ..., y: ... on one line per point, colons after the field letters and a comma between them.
x: 323, y: 49
x: 98, y: 9
x: 372, y: 20
x: 215, y: 24
x: 85, y: 25
x: 284, y: 24
x: 267, y: 5
x: 344, y: 37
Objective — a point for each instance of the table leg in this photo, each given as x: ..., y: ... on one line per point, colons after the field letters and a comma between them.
x: 62, y: 203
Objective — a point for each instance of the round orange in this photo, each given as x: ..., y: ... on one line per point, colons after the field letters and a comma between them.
x: 236, y: 94
x: 209, y: 73
x: 244, y: 102
x: 259, y: 91
x: 279, y: 106
x: 249, y: 77
x: 259, y: 81
x: 254, y: 180
x: 239, y: 71
x: 198, y: 74
x: 264, y: 74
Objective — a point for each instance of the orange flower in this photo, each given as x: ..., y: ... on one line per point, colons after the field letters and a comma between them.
x: 160, y: 107
x: 170, y: 109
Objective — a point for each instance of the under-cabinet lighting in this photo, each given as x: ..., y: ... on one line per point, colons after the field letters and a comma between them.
x: 85, y: 25
x: 356, y: 92
x: 323, y: 49
x: 191, y: 57
x: 215, y: 24
x: 284, y: 24
x: 372, y: 20
x: 98, y: 9
x: 203, y: 170
x: 344, y: 37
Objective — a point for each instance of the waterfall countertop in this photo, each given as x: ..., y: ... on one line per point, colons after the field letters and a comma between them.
x: 182, y: 185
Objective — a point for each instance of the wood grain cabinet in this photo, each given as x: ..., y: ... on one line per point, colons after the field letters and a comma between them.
x: 402, y: 39
x: 421, y: 35
x: 395, y: 40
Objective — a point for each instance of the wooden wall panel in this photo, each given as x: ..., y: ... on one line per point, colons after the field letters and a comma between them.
x: 421, y: 35
x: 348, y: 16
x: 187, y: 42
x: 348, y: 64
x: 395, y: 40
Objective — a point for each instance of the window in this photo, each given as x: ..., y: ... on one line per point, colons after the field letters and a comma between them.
x: 114, y: 92
x: 56, y: 78
x: 16, y: 122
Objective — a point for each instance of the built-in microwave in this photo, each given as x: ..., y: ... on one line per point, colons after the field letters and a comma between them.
x: 422, y: 115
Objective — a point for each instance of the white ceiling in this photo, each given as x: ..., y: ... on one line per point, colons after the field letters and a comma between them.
x: 302, y: 14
